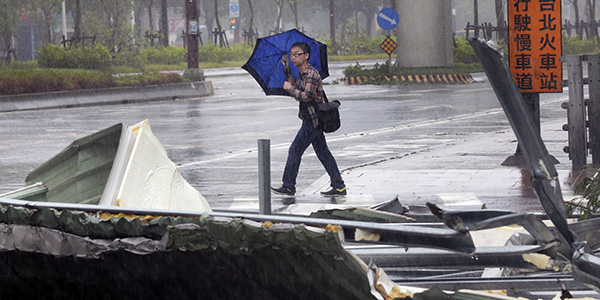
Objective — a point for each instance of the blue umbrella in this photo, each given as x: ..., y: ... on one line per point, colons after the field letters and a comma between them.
x: 265, y: 62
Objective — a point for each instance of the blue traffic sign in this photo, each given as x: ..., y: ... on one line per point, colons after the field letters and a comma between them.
x: 388, y: 18
x: 234, y: 10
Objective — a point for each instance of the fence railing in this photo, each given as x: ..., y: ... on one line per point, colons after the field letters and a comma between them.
x: 487, y: 30
x: 583, y: 115
x: 78, y: 40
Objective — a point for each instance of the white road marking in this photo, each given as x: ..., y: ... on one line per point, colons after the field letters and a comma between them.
x: 460, y: 199
x: 244, y: 204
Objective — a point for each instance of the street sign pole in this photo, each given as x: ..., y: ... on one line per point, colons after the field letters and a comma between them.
x: 191, y: 17
x: 234, y: 14
x: 388, y: 19
x: 390, y: 56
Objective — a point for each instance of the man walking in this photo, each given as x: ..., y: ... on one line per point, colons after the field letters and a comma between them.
x: 308, y: 91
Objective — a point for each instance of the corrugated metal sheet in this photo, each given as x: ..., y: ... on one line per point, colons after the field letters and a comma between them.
x: 57, y: 255
x: 79, y: 173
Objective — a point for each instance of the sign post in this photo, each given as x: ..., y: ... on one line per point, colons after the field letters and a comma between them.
x: 234, y: 9
x: 388, y: 46
x: 234, y: 13
x: 535, y: 48
x: 388, y: 19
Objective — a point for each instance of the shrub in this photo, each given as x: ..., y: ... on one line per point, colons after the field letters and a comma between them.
x: 21, y: 65
x: 241, y: 51
x: 463, y: 52
x: 96, y: 58
x: 51, y: 56
x: 356, y: 70
x: 92, y: 58
x: 383, y: 69
x: 170, y: 55
x: 362, y: 44
x: 214, y: 53
x: 149, y: 79
x: 573, y: 45
x: 588, y: 205
x: 19, y: 81
x: 128, y: 58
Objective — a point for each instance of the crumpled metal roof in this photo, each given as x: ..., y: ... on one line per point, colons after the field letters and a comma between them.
x: 72, y: 254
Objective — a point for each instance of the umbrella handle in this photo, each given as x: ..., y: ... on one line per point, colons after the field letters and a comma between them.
x: 287, y: 70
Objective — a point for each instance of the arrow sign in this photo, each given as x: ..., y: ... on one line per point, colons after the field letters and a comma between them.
x: 383, y: 16
x: 388, y: 18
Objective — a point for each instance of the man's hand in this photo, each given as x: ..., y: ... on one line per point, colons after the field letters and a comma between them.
x: 287, y: 85
x: 286, y: 66
x: 285, y: 61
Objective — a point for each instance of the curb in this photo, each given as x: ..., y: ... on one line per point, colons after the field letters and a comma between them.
x: 94, y: 97
x: 437, y: 78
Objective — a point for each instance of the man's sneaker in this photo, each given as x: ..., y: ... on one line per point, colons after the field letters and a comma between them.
x: 283, y: 191
x: 334, y: 192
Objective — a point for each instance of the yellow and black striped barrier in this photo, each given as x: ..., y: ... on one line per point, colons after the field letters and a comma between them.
x: 437, y: 78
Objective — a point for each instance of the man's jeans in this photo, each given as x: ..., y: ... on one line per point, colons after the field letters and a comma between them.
x: 308, y: 135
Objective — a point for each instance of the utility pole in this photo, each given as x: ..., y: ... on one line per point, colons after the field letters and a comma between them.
x: 164, y: 23
x: 332, y: 24
x: 191, y: 17
x: 476, y: 17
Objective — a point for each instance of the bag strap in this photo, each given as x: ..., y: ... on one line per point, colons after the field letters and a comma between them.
x: 325, y: 97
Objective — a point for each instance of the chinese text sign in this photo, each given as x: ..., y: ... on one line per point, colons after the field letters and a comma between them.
x: 535, y: 45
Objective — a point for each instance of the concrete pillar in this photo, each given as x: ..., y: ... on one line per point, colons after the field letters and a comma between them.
x: 424, y: 33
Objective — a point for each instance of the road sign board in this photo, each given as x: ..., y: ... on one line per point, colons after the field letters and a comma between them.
x: 234, y: 10
x: 388, y: 45
x: 388, y: 18
x: 534, y: 43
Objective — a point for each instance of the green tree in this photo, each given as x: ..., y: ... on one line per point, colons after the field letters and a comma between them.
x: 369, y: 8
x: 294, y: 7
x: 208, y: 11
x: 575, y: 4
x: 46, y: 12
x: 9, y: 18
x: 110, y: 22
x: 280, y: 4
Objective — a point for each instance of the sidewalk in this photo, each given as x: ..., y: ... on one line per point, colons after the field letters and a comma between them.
x: 464, y: 174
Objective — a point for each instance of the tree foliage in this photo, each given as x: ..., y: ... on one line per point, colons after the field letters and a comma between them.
x: 10, y: 12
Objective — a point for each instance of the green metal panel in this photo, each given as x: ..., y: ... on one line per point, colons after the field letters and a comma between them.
x: 79, y: 173
x: 34, y: 192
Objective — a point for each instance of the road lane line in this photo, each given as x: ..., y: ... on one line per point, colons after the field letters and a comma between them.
x: 460, y: 199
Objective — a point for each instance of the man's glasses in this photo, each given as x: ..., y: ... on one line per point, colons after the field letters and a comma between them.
x: 297, y: 54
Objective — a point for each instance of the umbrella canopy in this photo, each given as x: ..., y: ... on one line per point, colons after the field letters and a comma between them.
x: 265, y: 63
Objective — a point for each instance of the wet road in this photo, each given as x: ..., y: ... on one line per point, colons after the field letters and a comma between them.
x: 214, y: 139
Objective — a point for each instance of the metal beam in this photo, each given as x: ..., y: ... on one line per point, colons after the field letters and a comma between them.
x: 483, y: 257
x: 537, y: 283
x: 397, y: 233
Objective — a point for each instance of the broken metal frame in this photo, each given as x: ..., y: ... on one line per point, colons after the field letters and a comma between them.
x: 457, y: 246
x: 406, y: 234
x: 586, y: 266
